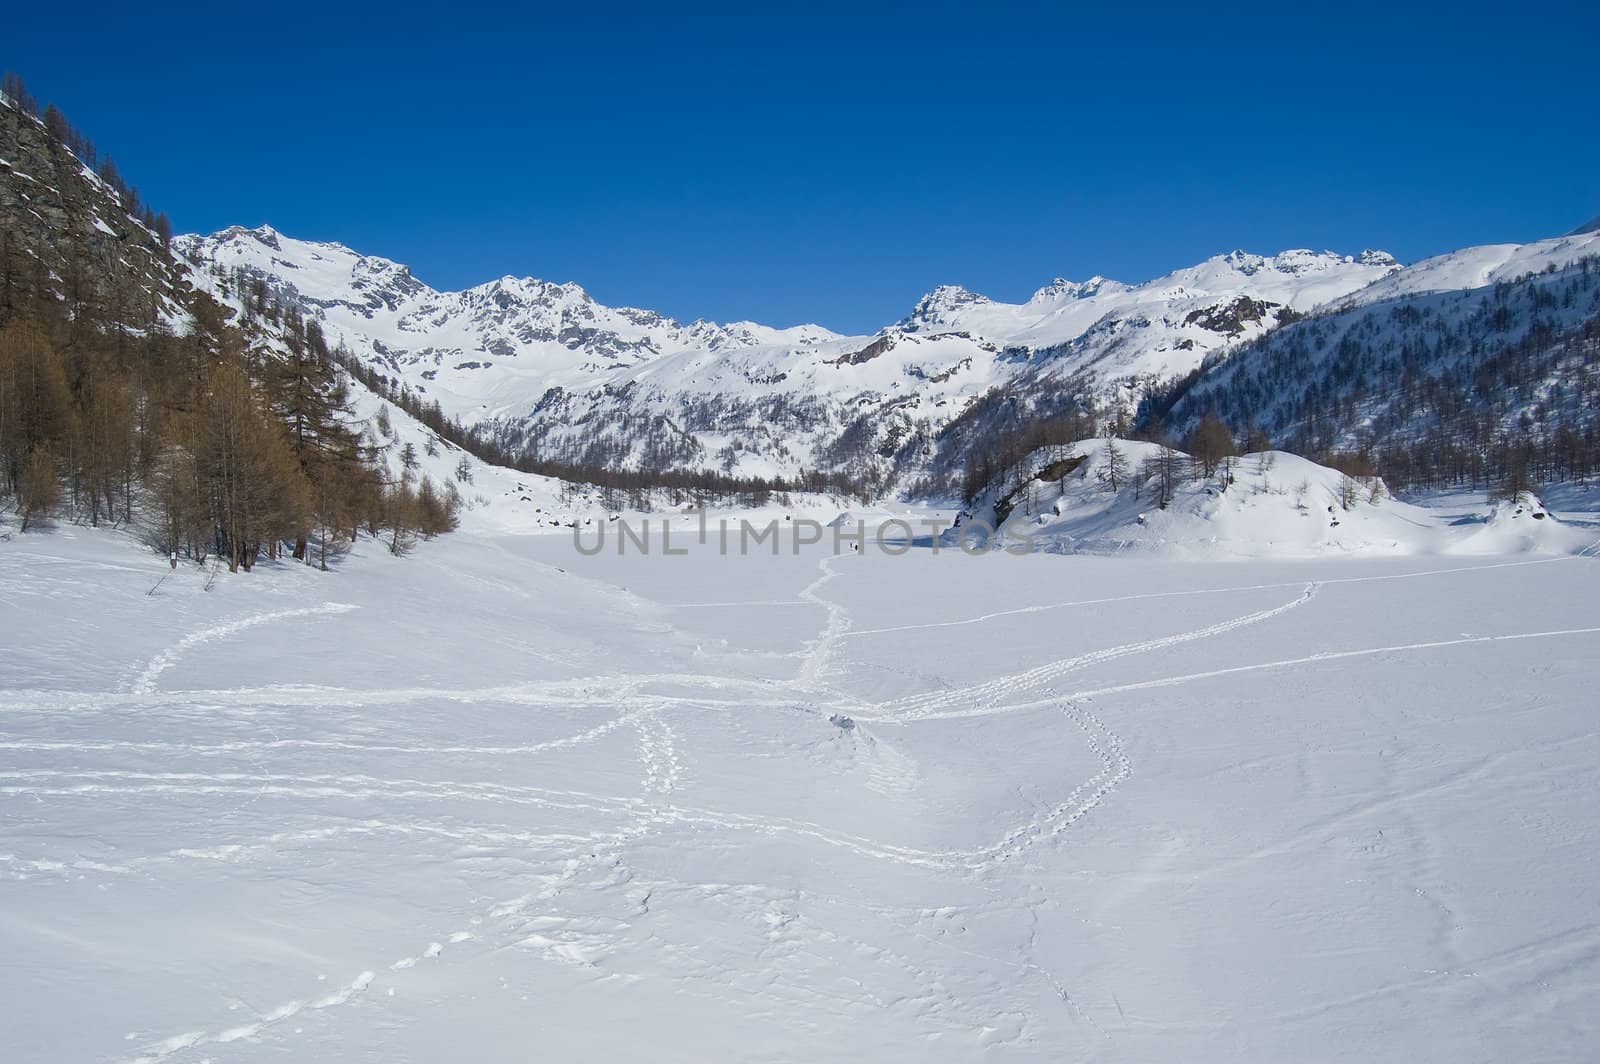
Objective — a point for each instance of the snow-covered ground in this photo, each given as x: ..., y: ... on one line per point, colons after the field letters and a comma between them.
x: 500, y: 801
x: 1267, y: 505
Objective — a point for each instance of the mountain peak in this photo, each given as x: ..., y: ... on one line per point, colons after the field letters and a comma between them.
x: 1062, y: 289
x: 272, y: 238
x: 532, y: 289
x: 936, y: 307
x: 1298, y: 261
x: 261, y: 234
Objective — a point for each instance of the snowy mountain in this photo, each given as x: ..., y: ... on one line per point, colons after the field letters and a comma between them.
x: 553, y: 373
x: 1433, y: 368
x: 1186, y: 310
x: 497, y: 346
x: 550, y: 368
x: 1479, y: 267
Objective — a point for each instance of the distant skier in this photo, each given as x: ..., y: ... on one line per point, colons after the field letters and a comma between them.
x: 172, y: 559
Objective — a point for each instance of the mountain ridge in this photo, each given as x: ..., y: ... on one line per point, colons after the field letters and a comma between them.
x: 547, y: 371
x: 545, y: 366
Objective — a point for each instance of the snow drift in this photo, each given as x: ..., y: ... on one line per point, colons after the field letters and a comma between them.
x: 1270, y: 504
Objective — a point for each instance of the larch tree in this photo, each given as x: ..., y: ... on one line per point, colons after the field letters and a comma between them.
x: 1166, y: 468
x: 175, y: 502
x: 40, y: 491
x: 304, y: 389
x: 35, y: 403
x: 255, y: 489
x: 1115, y: 473
x: 105, y: 446
x: 1210, y: 443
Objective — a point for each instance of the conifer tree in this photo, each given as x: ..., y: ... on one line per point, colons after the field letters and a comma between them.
x: 254, y: 486
x: 304, y: 389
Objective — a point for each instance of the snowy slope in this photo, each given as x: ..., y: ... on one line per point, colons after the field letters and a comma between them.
x: 1478, y: 267
x: 1193, y: 310
x: 1403, y: 359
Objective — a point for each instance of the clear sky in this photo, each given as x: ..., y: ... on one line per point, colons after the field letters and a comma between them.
x: 819, y: 162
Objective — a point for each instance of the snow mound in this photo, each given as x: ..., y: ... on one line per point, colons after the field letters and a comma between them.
x: 1516, y: 526
x: 1270, y: 504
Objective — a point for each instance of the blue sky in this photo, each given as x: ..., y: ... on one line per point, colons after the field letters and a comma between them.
x: 814, y: 162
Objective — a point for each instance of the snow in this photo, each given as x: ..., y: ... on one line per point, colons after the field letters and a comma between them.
x: 1064, y: 311
x: 495, y: 499
x: 1359, y: 350
x: 744, y: 398
x: 499, y: 798
x: 1479, y: 267
x: 1268, y: 505
x: 497, y: 351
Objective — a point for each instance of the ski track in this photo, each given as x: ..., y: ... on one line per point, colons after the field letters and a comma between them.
x: 587, y: 692
x: 167, y: 1047
x: 1193, y: 592
x: 1311, y: 659
x: 145, y: 682
x: 660, y: 769
x: 522, y: 920
x: 252, y: 746
x: 980, y: 699
x: 818, y: 654
x: 18, y: 868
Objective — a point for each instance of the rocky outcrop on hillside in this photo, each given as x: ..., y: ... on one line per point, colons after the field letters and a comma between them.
x: 65, y: 230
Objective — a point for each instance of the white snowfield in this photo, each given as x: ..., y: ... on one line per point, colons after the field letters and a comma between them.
x: 500, y: 801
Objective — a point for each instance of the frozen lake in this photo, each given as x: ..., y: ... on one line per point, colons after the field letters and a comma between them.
x: 498, y: 801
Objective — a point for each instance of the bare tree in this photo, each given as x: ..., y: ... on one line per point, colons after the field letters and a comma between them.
x: 41, y: 487
x: 1210, y: 443
x: 1115, y: 472
x: 1349, y: 492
